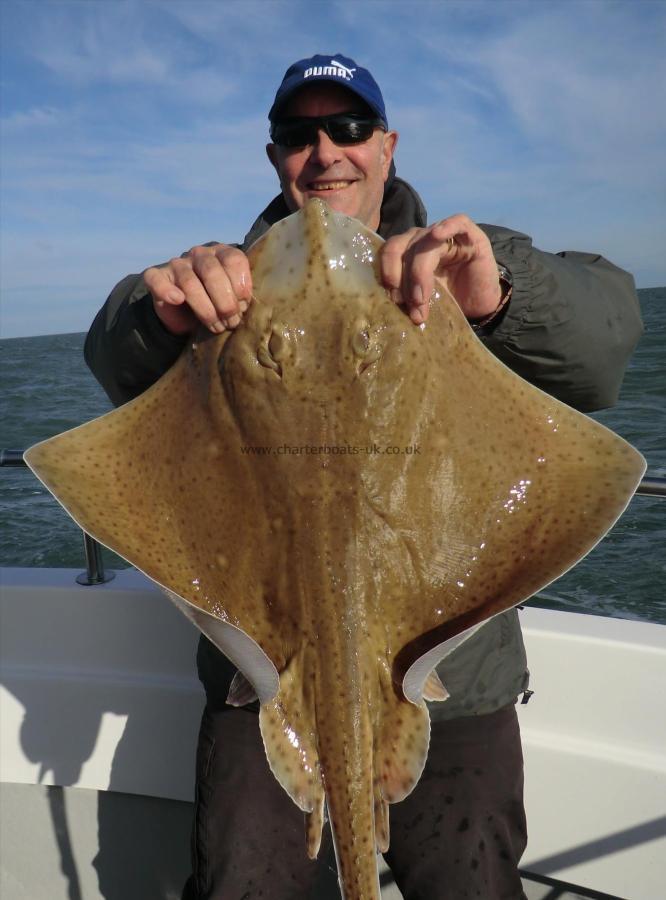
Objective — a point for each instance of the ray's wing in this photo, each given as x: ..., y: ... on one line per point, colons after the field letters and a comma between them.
x: 508, y: 490
x: 164, y: 483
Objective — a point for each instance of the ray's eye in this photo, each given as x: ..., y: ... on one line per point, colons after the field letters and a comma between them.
x: 276, y: 345
x: 272, y: 352
x: 365, y: 346
x: 361, y: 342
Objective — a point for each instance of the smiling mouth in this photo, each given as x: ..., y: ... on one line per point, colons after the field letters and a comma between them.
x: 328, y: 185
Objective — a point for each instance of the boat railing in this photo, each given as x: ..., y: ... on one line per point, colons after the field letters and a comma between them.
x: 650, y: 486
x: 95, y: 572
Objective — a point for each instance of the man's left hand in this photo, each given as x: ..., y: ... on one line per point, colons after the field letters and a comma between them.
x: 455, y: 251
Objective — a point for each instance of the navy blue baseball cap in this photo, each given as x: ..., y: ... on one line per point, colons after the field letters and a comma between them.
x: 337, y: 69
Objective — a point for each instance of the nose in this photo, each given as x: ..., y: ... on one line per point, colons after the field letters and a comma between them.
x: 324, y: 151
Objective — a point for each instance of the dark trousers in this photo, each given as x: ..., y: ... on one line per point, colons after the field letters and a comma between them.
x: 459, y: 834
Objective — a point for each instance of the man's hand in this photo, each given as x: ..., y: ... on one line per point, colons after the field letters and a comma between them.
x: 456, y: 252
x: 211, y: 285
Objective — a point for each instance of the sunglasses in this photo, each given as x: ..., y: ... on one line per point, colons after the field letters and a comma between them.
x: 342, y: 128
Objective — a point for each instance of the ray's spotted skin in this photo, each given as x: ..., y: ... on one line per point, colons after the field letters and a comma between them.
x: 336, y: 581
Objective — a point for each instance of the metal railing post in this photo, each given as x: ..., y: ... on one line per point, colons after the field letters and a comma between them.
x: 94, y: 573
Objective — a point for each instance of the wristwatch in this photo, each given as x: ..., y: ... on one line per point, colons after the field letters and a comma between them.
x: 505, y: 277
x: 506, y: 283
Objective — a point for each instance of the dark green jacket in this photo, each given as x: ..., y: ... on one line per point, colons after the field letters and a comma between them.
x: 571, y: 325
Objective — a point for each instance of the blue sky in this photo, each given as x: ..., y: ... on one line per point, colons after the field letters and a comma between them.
x: 133, y: 129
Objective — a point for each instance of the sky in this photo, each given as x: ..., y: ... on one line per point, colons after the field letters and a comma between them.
x: 132, y: 130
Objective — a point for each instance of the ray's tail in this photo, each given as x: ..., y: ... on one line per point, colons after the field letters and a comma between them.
x: 346, y: 752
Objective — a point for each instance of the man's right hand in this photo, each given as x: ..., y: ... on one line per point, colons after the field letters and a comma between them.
x: 208, y: 285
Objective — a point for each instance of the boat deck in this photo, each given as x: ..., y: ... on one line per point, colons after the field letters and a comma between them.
x: 536, y: 887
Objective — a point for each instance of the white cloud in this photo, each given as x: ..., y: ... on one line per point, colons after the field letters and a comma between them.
x: 207, y: 169
x: 94, y: 42
x: 38, y: 117
x: 264, y: 25
x: 590, y: 85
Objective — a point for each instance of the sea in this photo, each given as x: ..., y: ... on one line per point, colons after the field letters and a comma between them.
x: 47, y: 388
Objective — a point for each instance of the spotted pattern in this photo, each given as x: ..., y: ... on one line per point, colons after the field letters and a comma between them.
x: 344, y: 567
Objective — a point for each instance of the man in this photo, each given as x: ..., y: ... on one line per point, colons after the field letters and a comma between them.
x: 567, y: 322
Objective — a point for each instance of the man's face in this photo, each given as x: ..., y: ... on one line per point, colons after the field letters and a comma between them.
x: 349, y: 177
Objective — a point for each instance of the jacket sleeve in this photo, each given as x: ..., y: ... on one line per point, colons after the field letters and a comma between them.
x: 571, y: 325
x: 127, y: 347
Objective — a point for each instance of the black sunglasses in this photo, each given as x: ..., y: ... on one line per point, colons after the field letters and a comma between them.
x: 342, y: 128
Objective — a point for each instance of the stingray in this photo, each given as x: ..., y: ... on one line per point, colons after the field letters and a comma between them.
x: 337, y: 498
